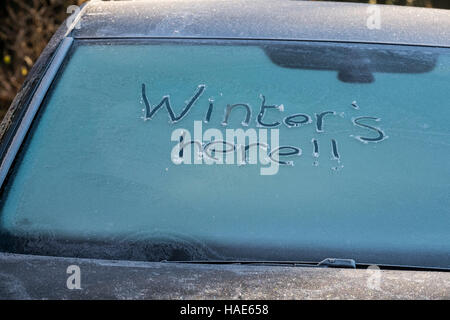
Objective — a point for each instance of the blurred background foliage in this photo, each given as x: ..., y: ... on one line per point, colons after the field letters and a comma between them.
x: 25, y: 28
x: 27, y: 25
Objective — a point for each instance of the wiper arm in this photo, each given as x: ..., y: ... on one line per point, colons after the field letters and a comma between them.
x: 326, y: 263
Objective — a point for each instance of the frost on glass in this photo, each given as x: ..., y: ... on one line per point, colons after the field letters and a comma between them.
x: 97, y: 171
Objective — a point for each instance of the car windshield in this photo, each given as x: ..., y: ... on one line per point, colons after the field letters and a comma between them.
x: 238, y: 150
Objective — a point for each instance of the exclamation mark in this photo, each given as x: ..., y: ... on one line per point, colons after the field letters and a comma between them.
x: 335, y: 154
x: 315, y: 151
x: 335, y: 150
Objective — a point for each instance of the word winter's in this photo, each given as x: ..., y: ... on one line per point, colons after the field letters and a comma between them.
x: 291, y: 121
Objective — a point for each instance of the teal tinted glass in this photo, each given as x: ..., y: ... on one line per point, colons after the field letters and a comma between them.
x: 362, y: 169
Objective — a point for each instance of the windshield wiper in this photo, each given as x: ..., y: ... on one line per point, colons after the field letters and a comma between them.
x: 326, y: 263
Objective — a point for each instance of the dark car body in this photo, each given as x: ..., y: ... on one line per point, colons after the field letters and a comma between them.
x: 24, y: 276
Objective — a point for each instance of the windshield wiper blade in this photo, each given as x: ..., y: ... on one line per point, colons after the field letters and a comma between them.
x: 326, y: 263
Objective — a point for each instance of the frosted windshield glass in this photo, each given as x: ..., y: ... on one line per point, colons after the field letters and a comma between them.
x: 352, y: 146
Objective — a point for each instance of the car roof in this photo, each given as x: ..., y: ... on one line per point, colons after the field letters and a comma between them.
x: 262, y: 19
